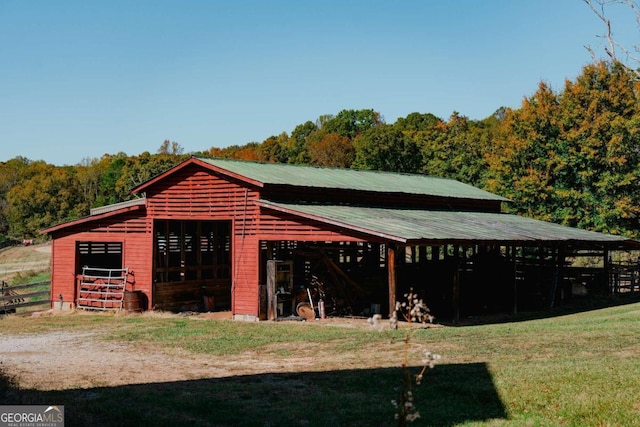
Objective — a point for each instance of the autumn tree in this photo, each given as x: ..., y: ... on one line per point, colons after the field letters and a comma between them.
x: 274, y: 149
x: 45, y: 195
x: 573, y: 157
x: 249, y: 151
x: 332, y: 150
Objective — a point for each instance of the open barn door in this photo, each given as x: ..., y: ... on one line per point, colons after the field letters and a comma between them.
x: 192, y: 265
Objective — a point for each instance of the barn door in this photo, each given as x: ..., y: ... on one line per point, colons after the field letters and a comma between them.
x: 191, y: 262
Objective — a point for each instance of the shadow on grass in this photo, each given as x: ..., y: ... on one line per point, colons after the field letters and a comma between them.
x: 449, y: 395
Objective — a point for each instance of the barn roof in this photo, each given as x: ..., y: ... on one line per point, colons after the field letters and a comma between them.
x: 427, y: 226
x: 352, y: 179
x: 279, y: 174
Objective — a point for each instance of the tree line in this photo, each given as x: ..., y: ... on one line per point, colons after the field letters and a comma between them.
x: 570, y: 156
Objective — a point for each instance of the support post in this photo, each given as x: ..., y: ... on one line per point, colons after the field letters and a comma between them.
x: 391, y: 266
x: 514, y: 263
x: 272, y: 310
x: 456, y: 292
x: 606, y: 263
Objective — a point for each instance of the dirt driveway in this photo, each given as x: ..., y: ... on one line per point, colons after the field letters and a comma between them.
x: 64, y: 360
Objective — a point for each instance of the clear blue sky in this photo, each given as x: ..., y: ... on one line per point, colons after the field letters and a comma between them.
x: 79, y: 79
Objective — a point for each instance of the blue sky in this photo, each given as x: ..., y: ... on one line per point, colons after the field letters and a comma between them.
x: 79, y: 79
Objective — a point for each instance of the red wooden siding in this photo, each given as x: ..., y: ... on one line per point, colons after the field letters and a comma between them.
x: 133, y: 231
x: 288, y: 227
x: 196, y: 193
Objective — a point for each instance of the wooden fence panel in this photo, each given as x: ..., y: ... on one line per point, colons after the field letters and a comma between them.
x: 13, y: 298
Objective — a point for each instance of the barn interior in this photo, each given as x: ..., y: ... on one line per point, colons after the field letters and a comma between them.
x: 456, y: 281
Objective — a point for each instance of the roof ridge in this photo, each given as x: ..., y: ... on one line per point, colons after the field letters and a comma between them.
x: 329, y: 168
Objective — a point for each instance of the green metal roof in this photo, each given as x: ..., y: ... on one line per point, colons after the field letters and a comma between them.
x: 351, y: 179
x: 407, y: 225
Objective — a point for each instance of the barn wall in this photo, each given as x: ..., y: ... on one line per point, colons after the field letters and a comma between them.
x: 133, y: 230
x: 199, y: 194
x: 288, y: 227
x: 194, y: 193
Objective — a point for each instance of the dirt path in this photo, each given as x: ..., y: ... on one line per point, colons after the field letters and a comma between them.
x: 24, y: 258
x: 57, y: 360
x: 61, y: 360
x: 67, y: 360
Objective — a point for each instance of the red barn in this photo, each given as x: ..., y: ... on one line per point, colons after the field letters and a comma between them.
x: 257, y: 239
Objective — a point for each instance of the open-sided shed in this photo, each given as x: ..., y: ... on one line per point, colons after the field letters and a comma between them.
x: 258, y: 238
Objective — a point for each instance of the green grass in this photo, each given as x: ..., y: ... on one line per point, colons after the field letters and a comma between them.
x: 575, y: 370
x: 30, y: 276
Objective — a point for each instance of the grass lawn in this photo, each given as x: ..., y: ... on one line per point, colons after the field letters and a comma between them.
x: 575, y: 370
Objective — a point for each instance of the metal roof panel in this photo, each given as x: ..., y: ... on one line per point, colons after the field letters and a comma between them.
x: 352, y: 179
x: 424, y: 225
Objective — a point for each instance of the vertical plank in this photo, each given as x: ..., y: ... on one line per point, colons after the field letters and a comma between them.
x: 391, y: 267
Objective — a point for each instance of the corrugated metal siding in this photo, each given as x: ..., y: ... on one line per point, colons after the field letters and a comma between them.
x: 352, y: 179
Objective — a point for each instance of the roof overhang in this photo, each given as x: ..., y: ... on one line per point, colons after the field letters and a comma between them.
x: 412, y: 226
x: 100, y: 214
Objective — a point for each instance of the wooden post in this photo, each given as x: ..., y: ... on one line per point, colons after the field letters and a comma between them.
x: 606, y: 263
x: 514, y: 261
x: 455, y: 283
x: 272, y: 309
x: 391, y: 266
x: 557, y: 277
x: 456, y: 293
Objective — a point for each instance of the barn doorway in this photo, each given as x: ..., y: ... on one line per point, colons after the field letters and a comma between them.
x: 192, y: 265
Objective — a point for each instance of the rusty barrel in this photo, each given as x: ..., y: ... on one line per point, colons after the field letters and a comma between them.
x: 134, y: 301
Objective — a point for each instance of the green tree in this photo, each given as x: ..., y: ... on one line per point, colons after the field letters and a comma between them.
x: 139, y: 169
x: 351, y: 123
x: 415, y: 122
x: 456, y: 149
x: 111, y: 167
x: 388, y: 149
x: 11, y: 173
x: 297, y: 146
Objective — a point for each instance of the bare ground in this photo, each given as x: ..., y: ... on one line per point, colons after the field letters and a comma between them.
x: 66, y: 360
x: 24, y: 258
x: 80, y: 359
